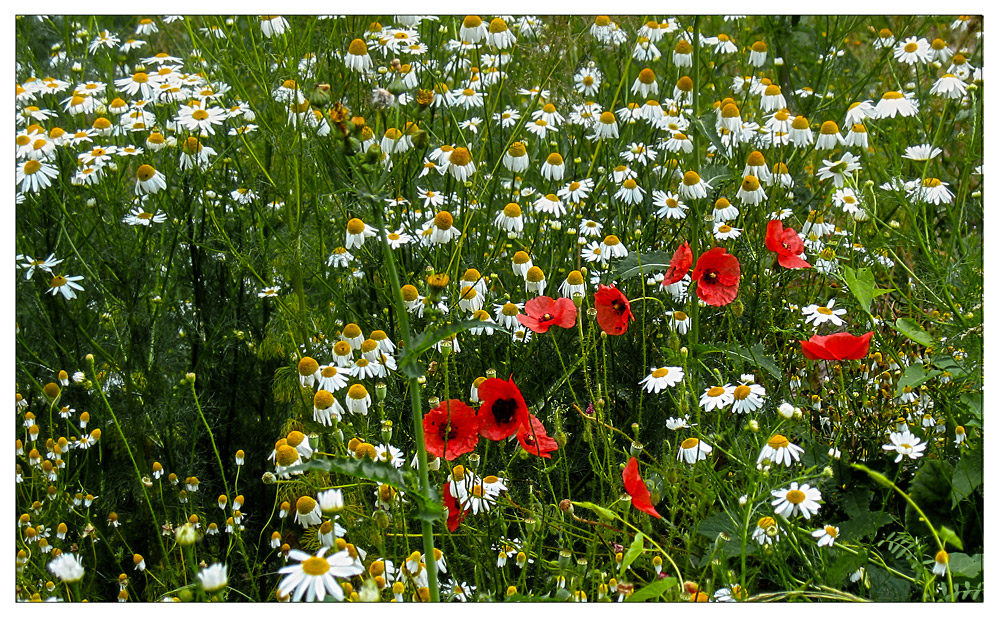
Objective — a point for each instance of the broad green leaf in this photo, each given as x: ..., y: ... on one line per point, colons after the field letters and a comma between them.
x: 427, y: 507
x: 950, y: 537
x: 641, y: 264
x: 967, y: 477
x: 653, y: 590
x: 885, y: 587
x: 409, y: 361
x: 719, y: 522
x: 845, y: 565
x: 604, y: 512
x: 754, y: 356
x: 861, y: 283
x: 915, y: 374
x: 964, y: 566
x: 912, y: 330
x: 633, y: 552
x: 974, y: 402
x: 705, y: 125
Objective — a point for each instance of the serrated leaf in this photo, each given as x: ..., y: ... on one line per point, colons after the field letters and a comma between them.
x: 964, y: 566
x: 861, y: 283
x: 602, y: 511
x: 409, y: 361
x: 885, y: 587
x: 912, y: 330
x: 845, y: 565
x: 653, y: 590
x: 914, y: 375
x: 640, y: 264
x: 633, y: 552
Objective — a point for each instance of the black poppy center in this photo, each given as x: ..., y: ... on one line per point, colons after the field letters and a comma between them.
x: 504, y: 411
x: 448, y: 432
x: 547, y: 317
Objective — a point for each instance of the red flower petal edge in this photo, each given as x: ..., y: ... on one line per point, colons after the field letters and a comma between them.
x: 613, y: 310
x: 786, y: 243
x: 637, y: 489
x: 535, y: 440
x: 680, y: 264
x: 544, y: 312
x: 837, y: 347
x: 718, y: 277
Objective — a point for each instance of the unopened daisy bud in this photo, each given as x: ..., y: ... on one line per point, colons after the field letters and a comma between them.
x: 753, y: 426
x: 786, y: 410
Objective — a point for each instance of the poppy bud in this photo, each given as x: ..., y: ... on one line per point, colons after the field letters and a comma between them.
x: 565, y: 556
x: 561, y: 439
x: 737, y: 308
x: 635, y: 448
x: 567, y: 506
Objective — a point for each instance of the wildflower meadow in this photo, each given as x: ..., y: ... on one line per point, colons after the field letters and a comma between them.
x: 433, y: 308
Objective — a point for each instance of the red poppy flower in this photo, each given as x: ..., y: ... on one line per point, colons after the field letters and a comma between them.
x: 718, y: 276
x: 455, y: 513
x: 535, y: 440
x: 637, y: 489
x: 786, y: 243
x: 613, y: 310
x: 837, y: 347
x: 502, y: 410
x: 544, y: 312
x: 680, y: 264
x: 451, y: 429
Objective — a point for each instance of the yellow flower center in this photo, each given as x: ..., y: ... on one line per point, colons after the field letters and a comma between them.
x: 801, y: 122
x: 472, y: 21
x: 199, y: 114
x: 460, y: 157
x: 741, y: 392
x: 646, y: 76
x: 892, y: 94
x: 611, y: 240
x: 759, y: 46
x: 778, y: 441
x: 315, y: 566
x: 145, y: 172
x: 660, y: 372
x: 691, y: 178
x: 602, y: 21
x: 32, y: 166
x: 575, y: 278
x: 795, y: 496
x: 686, y: 84
x: 534, y: 275
x: 323, y: 399
x: 683, y: 47
x: 140, y: 78
x: 357, y: 48
x: 910, y: 48
x: 730, y: 111
x: 443, y: 220
x: 308, y: 366
x: 607, y: 118
x: 511, y: 210
x: 357, y: 392
x: 498, y: 25
x: 750, y: 183
x: 629, y: 184
x: 689, y: 443
x: 286, y: 455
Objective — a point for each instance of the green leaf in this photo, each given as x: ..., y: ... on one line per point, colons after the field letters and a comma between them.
x: 705, y: 125
x: 950, y: 537
x: 861, y: 282
x: 915, y: 374
x: 754, y: 356
x: 845, y: 565
x: 409, y: 361
x: 653, y: 590
x: 887, y: 588
x: 967, y: 477
x: 912, y: 330
x: 641, y: 264
x: 604, y: 512
x: 381, y: 472
x: 974, y: 402
x: 428, y: 507
x: 964, y: 566
x: 633, y: 552
x: 719, y: 522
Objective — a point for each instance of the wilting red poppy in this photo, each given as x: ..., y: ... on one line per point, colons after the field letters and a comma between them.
x: 451, y: 429
x: 535, y: 440
x: 544, y: 312
x: 786, y: 243
x: 718, y: 276
x: 837, y: 347
x: 680, y: 264
x: 613, y: 310
x: 502, y: 410
x: 455, y: 513
x: 637, y: 489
